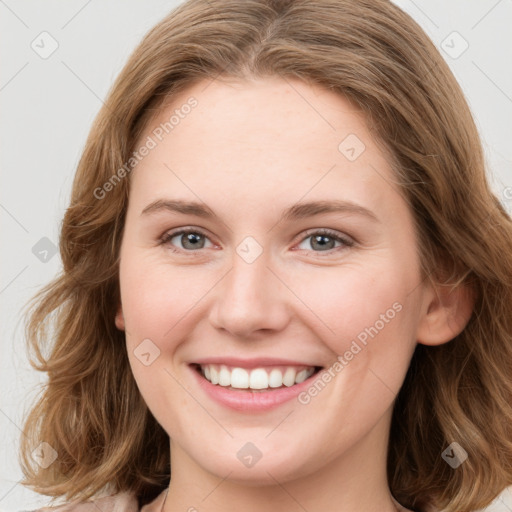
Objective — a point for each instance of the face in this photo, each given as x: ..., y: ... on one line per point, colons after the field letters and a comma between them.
x: 265, y: 286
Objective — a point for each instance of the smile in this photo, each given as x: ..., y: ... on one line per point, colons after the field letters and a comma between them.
x: 256, y: 379
x: 252, y: 390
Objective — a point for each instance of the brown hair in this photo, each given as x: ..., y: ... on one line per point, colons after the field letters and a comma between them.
x: 375, y: 55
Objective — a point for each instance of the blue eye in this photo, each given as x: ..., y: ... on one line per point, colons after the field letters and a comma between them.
x: 325, y: 240
x: 192, y: 240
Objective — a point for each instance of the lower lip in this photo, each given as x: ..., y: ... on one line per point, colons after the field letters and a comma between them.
x: 248, y: 401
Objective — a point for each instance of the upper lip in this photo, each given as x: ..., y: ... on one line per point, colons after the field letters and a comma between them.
x: 257, y: 362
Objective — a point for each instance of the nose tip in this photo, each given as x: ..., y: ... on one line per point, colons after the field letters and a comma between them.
x: 249, y: 299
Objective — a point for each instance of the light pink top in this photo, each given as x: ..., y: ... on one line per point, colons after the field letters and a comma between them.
x: 127, y: 502
x: 121, y: 502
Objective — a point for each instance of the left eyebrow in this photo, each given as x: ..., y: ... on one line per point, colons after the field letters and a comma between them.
x: 297, y: 211
x: 311, y: 208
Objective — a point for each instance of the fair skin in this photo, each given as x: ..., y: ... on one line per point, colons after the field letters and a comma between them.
x: 248, y: 151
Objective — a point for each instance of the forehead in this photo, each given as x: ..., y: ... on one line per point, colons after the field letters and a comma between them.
x: 264, y: 138
x: 246, y: 111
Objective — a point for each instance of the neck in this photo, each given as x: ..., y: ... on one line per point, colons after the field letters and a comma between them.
x: 353, y: 482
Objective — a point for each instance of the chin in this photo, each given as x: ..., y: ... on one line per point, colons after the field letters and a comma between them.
x: 261, y: 473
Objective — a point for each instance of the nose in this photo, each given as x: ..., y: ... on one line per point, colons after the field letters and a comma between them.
x: 250, y: 298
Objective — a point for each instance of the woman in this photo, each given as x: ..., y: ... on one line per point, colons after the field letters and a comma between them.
x: 198, y: 328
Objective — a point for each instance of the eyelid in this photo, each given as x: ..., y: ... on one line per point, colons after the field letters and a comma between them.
x: 346, y: 240
x: 168, y: 235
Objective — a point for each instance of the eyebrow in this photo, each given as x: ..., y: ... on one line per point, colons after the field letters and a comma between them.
x: 295, y: 212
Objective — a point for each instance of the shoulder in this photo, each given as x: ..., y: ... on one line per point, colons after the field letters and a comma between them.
x: 121, y: 502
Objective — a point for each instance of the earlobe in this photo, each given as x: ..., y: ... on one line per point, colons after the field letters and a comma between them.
x: 447, y: 313
x: 119, y: 319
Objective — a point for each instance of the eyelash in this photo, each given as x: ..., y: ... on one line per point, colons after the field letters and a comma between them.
x: 347, y: 242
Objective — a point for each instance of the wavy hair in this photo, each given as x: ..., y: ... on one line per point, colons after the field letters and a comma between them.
x: 375, y: 55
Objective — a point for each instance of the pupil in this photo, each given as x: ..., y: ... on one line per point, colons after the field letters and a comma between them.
x: 321, y: 240
x: 193, y: 239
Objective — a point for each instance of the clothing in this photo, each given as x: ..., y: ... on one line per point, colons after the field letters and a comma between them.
x: 121, y: 502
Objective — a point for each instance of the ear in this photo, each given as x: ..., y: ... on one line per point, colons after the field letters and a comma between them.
x: 448, y: 309
x: 119, y: 318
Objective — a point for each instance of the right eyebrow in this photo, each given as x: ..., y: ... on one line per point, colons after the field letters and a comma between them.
x: 185, y: 207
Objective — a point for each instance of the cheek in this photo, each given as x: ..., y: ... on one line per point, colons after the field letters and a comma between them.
x: 155, y: 301
x: 367, y: 318
x: 346, y: 306
x: 155, y: 297
x: 368, y: 322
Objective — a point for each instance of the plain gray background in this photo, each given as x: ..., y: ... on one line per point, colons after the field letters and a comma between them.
x: 49, y: 102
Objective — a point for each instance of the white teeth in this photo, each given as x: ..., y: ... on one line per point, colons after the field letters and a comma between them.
x: 224, y: 376
x: 275, y: 379
x: 239, y: 378
x: 289, y: 377
x: 214, y: 375
x: 258, y: 378
x: 301, y: 376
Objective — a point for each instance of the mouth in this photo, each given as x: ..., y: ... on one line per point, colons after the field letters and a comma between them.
x: 262, y: 379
